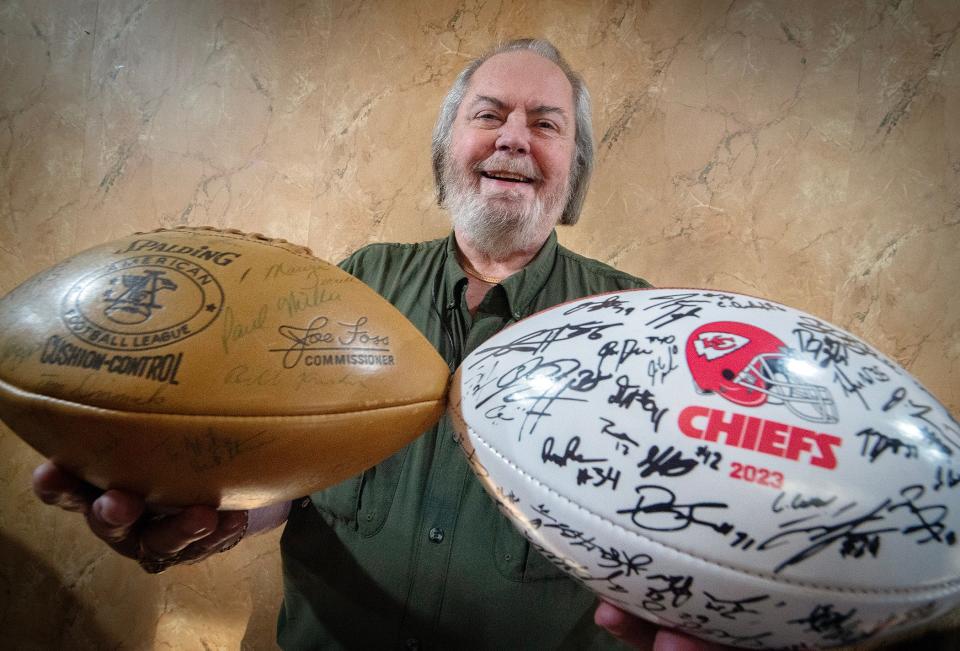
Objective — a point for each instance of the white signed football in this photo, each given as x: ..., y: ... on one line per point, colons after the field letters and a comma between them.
x: 720, y: 464
x: 197, y: 366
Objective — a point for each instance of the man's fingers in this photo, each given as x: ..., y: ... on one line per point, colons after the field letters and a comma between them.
x: 668, y: 640
x: 230, y: 527
x: 156, y: 539
x: 112, y: 517
x: 59, y: 488
x: 167, y: 536
x: 642, y: 635
x: 230, y: 524
x: 632, y: 630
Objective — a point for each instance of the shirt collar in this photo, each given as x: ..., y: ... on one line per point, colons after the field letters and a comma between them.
x: 521, y: 289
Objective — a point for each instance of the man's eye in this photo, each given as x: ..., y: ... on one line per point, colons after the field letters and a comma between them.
x: 544, y: 124
x: 487, y: 116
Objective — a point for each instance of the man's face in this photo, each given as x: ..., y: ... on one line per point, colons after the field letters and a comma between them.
x: 508, y: 169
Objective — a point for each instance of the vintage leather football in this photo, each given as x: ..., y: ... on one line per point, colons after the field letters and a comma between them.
x: 201, y: 366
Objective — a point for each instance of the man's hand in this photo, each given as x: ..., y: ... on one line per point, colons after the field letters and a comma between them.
x: 122, y: 520
x: 641, y: 634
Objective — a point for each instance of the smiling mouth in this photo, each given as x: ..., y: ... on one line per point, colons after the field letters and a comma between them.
x: 506, y: 176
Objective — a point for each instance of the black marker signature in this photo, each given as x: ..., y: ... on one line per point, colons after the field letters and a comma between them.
x: 674, y: 587
x: 875, y: 444
x: 536, y: 343
x: 744, y: 303
x: 662, y: 366
x: 895, y: 398
x: 854, y: 383
x: 732, y: 608
x: 620, y: 562
x: 538, y: 383
x: 570, y: 453
x: 668, y: 463
x: 928, y: 519
x: 943, y: 439
x: 835, y: 345
x: 832, y: 625
x: 609, y: 303
x: 622, y: 351
x: 701, y: 626
x: 711, y: 458
x: 800, y: 502
x: 603, y: 476
x: 627, y: 394
x: 658, y: 367
x: 657, y: 510
x: 675, y: 307
x: 864, y: 533
x: 946, y: 477
x: 623, y: 441
x: 850, y: 387
x: 824, y: 350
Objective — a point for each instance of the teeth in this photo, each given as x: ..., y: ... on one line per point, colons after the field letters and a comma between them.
x: 509, y: 176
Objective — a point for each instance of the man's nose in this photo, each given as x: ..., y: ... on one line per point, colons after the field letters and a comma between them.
x: 514, y: 135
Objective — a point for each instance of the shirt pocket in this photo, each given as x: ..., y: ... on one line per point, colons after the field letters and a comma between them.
x: 516, y: 559
x: 362, y: 503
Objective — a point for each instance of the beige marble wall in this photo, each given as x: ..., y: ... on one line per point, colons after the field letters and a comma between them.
x: 807, y: 152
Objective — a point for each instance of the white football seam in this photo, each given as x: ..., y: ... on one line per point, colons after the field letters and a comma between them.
x: 941, y: 587
x: 6, y: 386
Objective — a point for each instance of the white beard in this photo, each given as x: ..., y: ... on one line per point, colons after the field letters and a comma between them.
x: 499, y: 225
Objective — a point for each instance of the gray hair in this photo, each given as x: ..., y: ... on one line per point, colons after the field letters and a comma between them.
x: 582, y: 164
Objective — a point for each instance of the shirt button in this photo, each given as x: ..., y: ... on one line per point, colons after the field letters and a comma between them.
x: 436, y: 535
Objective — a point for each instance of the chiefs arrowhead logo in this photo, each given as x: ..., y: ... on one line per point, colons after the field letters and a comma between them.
x: 714, y: 345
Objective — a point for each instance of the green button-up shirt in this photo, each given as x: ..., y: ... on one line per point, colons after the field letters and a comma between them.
x: 413, y: 553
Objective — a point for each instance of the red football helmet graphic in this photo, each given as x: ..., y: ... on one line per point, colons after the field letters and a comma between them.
x: 749, y: 366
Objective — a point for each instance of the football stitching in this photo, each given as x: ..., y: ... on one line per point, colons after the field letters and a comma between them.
x: 79, y: 406
x: 946, y: 588
x: 277, y: 243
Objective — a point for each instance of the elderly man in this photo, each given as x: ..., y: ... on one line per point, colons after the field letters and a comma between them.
x: 412, y: 552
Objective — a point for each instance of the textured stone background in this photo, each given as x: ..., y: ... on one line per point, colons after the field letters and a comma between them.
x: 799, y: 151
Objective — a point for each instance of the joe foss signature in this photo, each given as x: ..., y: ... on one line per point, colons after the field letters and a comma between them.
x: 323, y: 335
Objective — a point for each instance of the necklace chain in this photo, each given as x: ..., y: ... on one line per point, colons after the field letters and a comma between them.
x: 470, y: 271
x: 479, y: 276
